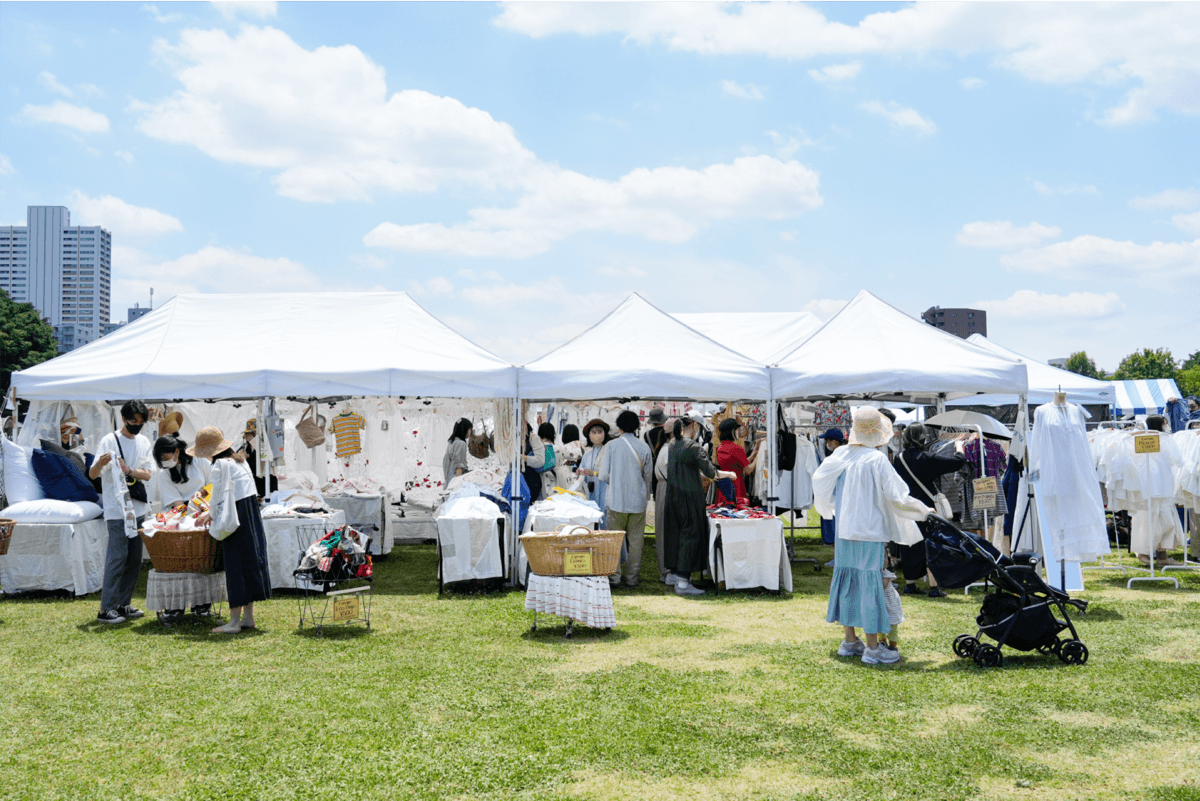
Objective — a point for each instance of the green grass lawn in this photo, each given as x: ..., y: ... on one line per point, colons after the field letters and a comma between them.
x: 740, y: 696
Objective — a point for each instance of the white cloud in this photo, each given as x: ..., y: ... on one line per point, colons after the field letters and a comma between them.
x: 1003, y: 234
x: 160, y: 17
x: 1097, y: 258
x: 120, y: 217
x: 81, y: 118
x: 836, y: 73
x: 434, y: 286
x: 259, y: 9
x: 322, y: 120
x: 48, y: 80
x: 1174, y: 199
x: 1155, y: 47
x: 667, y: 204
x: 1188, y: 223
x: 124, y: 155
x: 824, y: 308
x: 1027, y: 304
x: 787, y: 146
x: 747, y: 92
x: 899, y: 116
x: 369, y: 260
x: 6, y: 167
x: 1069, y: 189
x: 970, y: 83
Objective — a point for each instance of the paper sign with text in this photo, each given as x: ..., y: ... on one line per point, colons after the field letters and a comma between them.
x: 1146, y: 444
x: 345, y: 609
x: 577, y: 563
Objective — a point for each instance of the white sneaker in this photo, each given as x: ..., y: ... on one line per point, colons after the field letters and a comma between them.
x: 880, y: 656
x: 829, y: 563
x: 685, y: 587
x: 855, y: 648
x: 671, y: 580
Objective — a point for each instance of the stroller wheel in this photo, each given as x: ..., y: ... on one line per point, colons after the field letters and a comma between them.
x: 988, y: 656
x: 965, y: 645
x: 1073, y: 652
x: 1051, y: 647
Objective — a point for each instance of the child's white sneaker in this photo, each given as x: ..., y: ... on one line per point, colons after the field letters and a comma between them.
x: 881, y: 655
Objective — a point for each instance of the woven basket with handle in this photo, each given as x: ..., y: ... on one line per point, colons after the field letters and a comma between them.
x: 6, y: 531
x: 184, y: 551
x: 546, y: 551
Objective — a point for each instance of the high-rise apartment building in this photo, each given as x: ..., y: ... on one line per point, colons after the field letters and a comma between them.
x: 65, y: 271
x: 960, y: 322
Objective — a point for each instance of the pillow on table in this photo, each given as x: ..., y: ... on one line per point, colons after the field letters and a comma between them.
x: 54, y: 447
x: 20, y: 484
x: 61, y: 479
x: 48, y: 510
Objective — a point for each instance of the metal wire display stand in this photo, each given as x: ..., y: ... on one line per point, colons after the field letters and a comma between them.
x: 324, y: 598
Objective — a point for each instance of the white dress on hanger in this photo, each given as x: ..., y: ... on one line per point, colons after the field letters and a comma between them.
x: 1068, y: 490
x: 1154, y: 523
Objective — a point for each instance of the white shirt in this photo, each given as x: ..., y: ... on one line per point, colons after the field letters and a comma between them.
x: 873, y: 496
x: 238, y: 474
x: 138, y: 456
x: 164, y: 492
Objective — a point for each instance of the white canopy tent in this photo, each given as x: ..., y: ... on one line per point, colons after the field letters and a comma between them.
x: 200, y: 347
x: 872, y: 350
x: 1044, y: 381
x: 765, y: 337
x: 640, y: 351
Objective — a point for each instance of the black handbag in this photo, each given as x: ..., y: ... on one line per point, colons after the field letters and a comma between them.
x: 137, y: 489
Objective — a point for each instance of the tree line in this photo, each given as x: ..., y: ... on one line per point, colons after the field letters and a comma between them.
x: 1144, y: 363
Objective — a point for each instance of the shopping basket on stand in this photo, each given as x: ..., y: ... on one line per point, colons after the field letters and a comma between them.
x: 335, y: 576
x: 572, y: 552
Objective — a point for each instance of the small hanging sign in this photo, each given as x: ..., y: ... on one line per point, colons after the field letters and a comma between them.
x: 1147, y: 443
x: 345, y: 609
x: 577, y: 563
x: 984, y: 499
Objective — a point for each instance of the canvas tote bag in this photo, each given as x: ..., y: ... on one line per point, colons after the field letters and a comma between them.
x: 311, y: 431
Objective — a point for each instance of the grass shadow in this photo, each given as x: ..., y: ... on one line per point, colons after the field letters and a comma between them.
x: 339, y: 631
x: 580, y: 634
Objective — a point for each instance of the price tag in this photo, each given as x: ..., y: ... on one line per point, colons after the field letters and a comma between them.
x: 984, y: 499
x: 345, y: 609
x: 985, y: 485
x: 577, y: 563
x: 1147, y: 443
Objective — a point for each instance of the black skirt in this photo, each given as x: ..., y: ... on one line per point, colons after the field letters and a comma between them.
x: 247, y: 575
x: 685, y: 531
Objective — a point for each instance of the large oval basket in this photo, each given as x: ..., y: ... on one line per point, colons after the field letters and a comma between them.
x: 546, y: 551
x: 6, y: 531
x: 184, y: 551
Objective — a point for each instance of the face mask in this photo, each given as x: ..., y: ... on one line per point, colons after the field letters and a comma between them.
x: 133, y: 428
x: 169, y: 463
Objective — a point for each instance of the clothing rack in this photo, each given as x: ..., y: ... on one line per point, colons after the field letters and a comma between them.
x: 1162, y: 574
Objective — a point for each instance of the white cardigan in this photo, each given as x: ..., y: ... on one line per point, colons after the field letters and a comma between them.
x: 876, y: 506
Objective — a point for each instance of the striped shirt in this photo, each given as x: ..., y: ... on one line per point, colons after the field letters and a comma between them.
x: 345, y: 433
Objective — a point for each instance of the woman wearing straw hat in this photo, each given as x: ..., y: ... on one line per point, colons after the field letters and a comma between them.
x: 247, y: 577
x: 869, y: 498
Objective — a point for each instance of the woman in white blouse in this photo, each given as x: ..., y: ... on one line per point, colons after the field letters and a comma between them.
x: 179, y: 475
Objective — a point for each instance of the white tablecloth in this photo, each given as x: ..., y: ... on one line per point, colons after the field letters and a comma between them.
x: 470, y: 548
x: 283, y: 547
x: 540, y: 523
x: 55, y: 556
x: 754, y: 553
x: 370, y: 514
x: 183, y: 590
x: 584, y: 599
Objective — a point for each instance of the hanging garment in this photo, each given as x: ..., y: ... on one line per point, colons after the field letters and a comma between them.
x: 1068, y: 491
x: 345, y: 433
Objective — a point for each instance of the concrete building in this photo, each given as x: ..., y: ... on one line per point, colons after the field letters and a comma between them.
x: 136, y: 313
x: 65, y: 271
x: 960, y: 322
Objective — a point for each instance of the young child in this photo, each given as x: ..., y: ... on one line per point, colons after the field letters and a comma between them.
x: 894, y: 611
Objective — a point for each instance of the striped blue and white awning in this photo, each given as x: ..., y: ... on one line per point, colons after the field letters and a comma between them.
x: 1145, y: 396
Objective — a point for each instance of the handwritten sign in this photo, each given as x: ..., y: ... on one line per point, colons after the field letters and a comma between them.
x: 345, y: 609
x: 1147, y: 443
x: 577, y: 563
x: 984, y: 499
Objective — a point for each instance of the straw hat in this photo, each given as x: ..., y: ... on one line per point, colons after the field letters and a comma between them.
x: 170, y: 424
x: 69, y: 424
x: 871, y: 429
x: 209, y: 441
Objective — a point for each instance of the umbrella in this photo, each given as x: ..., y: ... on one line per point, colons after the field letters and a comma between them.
x: 960, y: 418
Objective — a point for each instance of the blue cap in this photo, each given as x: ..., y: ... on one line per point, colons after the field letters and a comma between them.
x: 834, y: 433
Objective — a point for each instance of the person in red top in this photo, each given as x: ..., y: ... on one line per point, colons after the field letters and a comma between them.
x: 731, y: 456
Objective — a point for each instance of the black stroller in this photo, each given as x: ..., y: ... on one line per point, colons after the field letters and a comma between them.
x: 1020, y: 610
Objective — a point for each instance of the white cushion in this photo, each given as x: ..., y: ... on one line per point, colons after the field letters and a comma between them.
x: 20, y: 482
x: 48, y: 510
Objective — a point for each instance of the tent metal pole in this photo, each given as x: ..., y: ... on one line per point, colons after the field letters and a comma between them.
x: 514, y: 485
x: 264, y: 446
x: 16, y: 412
x: 772, y: 424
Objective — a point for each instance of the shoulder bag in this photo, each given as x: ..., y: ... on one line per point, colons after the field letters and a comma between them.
x: 137, y: 489
x: 941, y: 504
x: 311, y: 428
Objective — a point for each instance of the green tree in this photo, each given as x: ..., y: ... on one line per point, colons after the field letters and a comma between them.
x: 1191, y: 362
x: 1081, y: 364
x: 25, y: 338
x: 1189, y: 381
x: 1147, y: 363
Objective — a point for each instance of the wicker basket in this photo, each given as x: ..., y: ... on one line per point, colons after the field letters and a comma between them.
x: 6, y: 531
x: 184, y: 551
x: 545, y: 551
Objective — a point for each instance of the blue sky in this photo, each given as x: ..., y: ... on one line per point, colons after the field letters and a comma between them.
x: 522, y: 168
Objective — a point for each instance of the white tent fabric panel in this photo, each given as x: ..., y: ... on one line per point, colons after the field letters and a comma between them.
x: 763, y: 336
x: 872, y: 349
x: 275, y: 345
x: 1145, y: 396
x: 1044, y: 381
x: 639, y: 351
